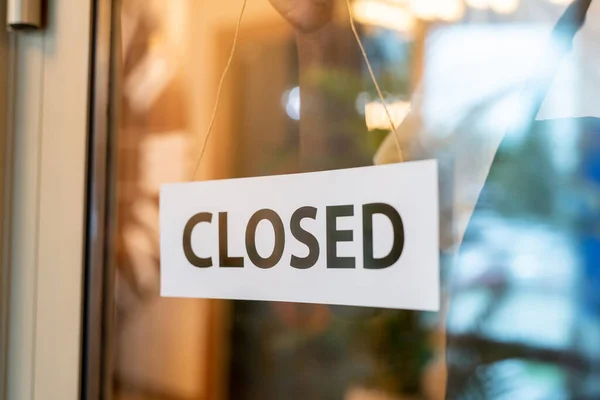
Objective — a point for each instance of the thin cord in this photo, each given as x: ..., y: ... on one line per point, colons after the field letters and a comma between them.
x: 364, y: 53
x: 218, y: 98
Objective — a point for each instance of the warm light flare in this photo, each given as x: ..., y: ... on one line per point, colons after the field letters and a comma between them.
x: 429, y: 10
x: 504, y: 6
x: 383, y: 14
x: 478, y: 4
x: 377, y: 118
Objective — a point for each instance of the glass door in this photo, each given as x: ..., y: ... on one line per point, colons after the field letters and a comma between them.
x: 494, y: 90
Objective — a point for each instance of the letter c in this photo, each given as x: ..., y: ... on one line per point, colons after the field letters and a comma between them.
x: 187, y: 241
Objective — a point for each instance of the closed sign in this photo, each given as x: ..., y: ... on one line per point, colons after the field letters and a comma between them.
x: 363, y: 236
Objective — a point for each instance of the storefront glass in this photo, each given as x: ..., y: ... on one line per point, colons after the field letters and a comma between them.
x: 503, y: 93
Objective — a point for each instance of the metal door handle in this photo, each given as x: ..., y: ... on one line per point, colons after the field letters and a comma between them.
x: 24, y: 14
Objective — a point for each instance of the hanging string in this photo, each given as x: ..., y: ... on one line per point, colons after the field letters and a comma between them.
x: 379, y: 93
x: 228, y: 65
x: 220, y: 87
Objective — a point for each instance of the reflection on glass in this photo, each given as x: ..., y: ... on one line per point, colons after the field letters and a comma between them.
x: 476, y: 84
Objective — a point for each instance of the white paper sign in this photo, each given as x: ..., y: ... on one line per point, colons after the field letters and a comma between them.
x: 363, y: 236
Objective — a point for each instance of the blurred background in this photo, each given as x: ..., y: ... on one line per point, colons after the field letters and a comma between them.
x: 464, y: 80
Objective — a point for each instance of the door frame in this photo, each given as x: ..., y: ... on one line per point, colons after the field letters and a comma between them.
x: 98, y: 293
x: 49, y: 110
x: 6, y: 72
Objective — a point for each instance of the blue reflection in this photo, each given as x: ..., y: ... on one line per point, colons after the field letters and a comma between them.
x: 526, y: 286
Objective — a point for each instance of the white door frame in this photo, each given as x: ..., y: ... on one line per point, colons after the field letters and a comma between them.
x: 48, y: 197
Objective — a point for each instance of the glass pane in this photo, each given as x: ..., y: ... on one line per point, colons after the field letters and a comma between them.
x: 496, y: 90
